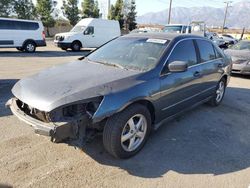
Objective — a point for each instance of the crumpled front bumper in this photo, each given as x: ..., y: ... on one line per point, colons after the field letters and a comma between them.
x: 58, y: 131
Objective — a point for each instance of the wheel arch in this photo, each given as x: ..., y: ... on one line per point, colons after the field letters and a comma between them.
x: 225, y: 77
x: 27, y: 40
x: 145, y: 102
x: 149, y: 105
x: 78, y: 42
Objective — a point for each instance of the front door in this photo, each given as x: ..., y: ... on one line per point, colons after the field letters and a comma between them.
x: 180, y: 90
x: 89, y: 38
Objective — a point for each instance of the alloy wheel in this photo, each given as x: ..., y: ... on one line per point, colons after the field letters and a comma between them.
x: 134, y: 132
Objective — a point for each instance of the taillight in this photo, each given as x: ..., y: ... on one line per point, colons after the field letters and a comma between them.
x: 43, y: 34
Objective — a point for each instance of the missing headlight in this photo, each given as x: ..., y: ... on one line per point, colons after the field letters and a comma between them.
x: 73, y: 110
x: 91, y: 107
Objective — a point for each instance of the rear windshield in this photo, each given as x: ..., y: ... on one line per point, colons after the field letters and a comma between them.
x: 18, y: 25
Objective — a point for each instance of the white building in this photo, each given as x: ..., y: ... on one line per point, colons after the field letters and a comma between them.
x: 104, y: 6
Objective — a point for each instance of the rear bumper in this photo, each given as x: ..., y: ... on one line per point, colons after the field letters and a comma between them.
x: 40, y: 43
x: 56, y: 130
x: 241, y: 69
x: 62, y: 44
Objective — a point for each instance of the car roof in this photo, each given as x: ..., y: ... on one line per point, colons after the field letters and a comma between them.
x: 15, y: 19
x: 165, y: 36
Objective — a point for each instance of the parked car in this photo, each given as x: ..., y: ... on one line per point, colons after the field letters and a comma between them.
x: 125, y: 88
x: 240, y: 54
x: 25, y: 35
x: 229, y: 39
x: 88, y: 33
x: 216, y: 39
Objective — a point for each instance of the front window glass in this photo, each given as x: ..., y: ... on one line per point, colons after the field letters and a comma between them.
x: 78, y: 28
x: 242, y: 45
x: 89, y: 31
x: 184, y: 51
x: 130, y: 53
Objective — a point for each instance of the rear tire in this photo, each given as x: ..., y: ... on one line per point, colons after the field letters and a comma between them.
x: 76, y: 46
x: 126, y: 132
x: 29, y: 47
x: 219, y: 93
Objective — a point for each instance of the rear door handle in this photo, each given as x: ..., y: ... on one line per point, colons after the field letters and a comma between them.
x: 220, y: 65
x: 197, y: 74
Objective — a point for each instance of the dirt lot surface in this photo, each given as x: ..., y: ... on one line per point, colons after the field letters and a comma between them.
x: 207, y: 147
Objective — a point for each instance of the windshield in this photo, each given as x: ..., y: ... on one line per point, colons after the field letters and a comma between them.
x: 242, y: 45
x: 130, y: 53
x: 78, y: 28
x: 172, y: 29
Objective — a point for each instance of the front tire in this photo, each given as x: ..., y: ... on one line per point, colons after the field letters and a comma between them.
x: 76, y: 46
x: 219, y: 93
x: 126, y: 132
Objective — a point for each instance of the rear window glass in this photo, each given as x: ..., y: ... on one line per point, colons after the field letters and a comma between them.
x: 217, y: 53
x: 18, y: 25
x: 206, y: 50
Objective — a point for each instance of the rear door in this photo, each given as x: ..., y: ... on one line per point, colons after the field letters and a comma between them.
x: 180, y: 90
x: 7, y: 34
x: 211, y: 65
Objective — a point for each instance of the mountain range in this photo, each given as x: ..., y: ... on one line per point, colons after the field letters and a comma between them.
x: 238, y: 16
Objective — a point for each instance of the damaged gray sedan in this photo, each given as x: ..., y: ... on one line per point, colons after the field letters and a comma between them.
x: 124, y: 89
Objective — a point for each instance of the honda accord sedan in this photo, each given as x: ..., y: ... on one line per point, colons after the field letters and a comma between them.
x: 124, y: 89
x: 240, y: 54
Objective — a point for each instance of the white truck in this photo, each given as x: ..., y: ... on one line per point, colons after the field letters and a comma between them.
x: 88, y: 33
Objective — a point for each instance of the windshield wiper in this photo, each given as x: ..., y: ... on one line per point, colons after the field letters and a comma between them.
x: 109, y: 64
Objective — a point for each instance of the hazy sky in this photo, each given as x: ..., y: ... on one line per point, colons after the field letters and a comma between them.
x: 145, y: 6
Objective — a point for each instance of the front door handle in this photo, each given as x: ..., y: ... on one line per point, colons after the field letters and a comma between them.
x: 197, y: 74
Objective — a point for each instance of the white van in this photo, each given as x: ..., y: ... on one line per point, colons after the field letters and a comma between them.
x: 25, y: 35
x: 88, y: 33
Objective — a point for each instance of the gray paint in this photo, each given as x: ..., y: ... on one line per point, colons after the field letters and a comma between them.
x: 82, y: 80
x: 68, y: 83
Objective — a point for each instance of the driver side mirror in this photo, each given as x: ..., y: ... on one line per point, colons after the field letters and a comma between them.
x: 178, y: 66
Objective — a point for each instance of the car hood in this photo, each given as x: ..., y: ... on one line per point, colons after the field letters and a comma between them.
x: 72, y: 82
x: 238, y: 54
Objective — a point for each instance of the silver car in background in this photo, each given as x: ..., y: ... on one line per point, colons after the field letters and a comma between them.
x: 240, y: 54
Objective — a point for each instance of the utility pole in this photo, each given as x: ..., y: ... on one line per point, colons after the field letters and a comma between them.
x: 225, y: 17
x: 169, y: 11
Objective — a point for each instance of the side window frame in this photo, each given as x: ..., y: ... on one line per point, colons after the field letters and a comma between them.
x: 217, y: 53
x: 88, y: 29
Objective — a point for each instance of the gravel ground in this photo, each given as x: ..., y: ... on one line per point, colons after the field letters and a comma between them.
x: 207, y: 147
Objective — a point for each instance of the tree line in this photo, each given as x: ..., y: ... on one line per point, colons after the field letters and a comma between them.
x: 123, y: 11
